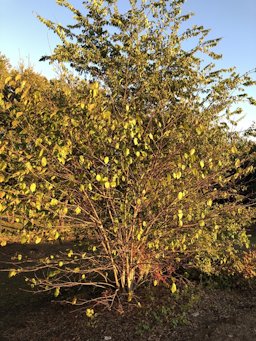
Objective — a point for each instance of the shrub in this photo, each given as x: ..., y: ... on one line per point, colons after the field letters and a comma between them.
x: 138, y: 163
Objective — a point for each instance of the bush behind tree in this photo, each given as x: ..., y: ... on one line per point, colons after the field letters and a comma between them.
x: 138, y: 163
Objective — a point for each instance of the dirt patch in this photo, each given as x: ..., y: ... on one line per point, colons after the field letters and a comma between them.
x: 200, y: 314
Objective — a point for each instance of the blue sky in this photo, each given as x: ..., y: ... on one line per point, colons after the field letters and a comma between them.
x: 23, y: 37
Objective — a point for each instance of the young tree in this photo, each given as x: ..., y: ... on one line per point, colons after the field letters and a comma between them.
x: 141, y: 164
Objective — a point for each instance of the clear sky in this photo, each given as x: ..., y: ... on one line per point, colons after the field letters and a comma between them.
x: 23, y: 37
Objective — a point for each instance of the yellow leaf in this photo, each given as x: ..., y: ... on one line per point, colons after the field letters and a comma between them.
x: 106, y: 115
x: 180, y: 195
x: 54, y: 202
x: 95, y: 86
x: 90, y: 107
x: 135, y: 141
x: 78, y: 210
x: 7, y: 80
x: 28, y: 166
x: 189, y: 217
x: 155, y: 283
x: 98, y: 177
x: 237, y: 163
x: 15, y: 123
x: 70, y: 253
x: 23, y: 240
x: 107, y: 185
x: 89, y: 312
x: 38, y: 240
x: 202, y: 164
x: 56, y: 292
x: 234, y: 150
x: 18, y: 114
x: 201, y: 223
x: 106, y: 160
x: 95, y: 92
x: 3, y: 243
x: 56, y: 236
x: 178, y: 175
x: 44, y: 161
x: 198, y: 131
x: 192, y: 151
x: 173, y: 288
x: 19, y: 257
x: 12, y: 273
x: 209, y: 202
x: 33, y: 187
x: 2, y: 177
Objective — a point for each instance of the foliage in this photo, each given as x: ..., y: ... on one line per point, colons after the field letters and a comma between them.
x: 138, y: 163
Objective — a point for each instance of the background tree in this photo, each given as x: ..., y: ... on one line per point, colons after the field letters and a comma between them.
x: 139, y: 162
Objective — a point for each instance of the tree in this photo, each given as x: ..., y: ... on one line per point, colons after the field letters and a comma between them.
x: 4, y: 67
x: 140, y: 164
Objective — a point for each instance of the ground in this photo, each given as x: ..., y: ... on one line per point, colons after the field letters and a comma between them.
x: 211, y: 312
